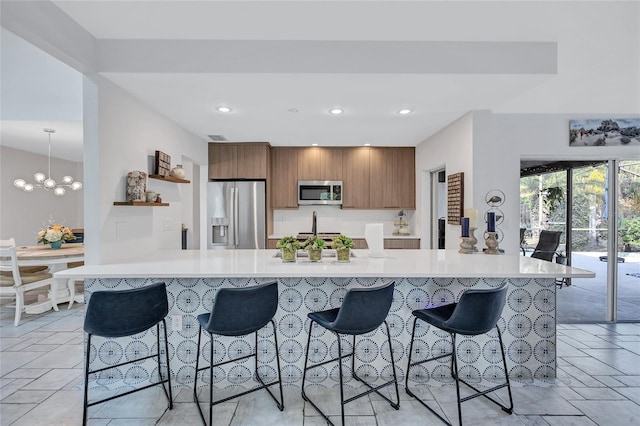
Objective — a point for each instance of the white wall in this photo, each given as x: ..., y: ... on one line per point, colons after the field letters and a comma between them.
x: 451, y: 147
x: 536, y: 137
x: 128, y: 134
x: 335, y: 219
x: 498, y: 143
x: 23, y: 214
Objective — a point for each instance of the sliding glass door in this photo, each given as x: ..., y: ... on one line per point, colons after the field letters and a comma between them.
x: 628, y: 262
x: 596, y: 205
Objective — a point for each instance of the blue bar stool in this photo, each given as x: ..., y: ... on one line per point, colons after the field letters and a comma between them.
x: 237, y: 312
x: 363, y: 310
x: 477, y: 312
x: 121, y: 313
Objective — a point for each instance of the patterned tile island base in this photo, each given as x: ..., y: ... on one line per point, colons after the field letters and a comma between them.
x: 527, y: 323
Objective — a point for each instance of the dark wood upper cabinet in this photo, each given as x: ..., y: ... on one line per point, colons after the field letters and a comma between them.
x: 238, y: 161
x: 355, y: 178
x: 283, y: 185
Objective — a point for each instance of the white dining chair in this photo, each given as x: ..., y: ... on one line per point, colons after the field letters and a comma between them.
x: 13, y: 282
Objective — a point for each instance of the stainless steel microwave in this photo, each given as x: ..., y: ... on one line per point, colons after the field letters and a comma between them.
x: 312, y: 192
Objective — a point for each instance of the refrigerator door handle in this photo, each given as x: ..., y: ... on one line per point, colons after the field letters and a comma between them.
x: 236, y: 218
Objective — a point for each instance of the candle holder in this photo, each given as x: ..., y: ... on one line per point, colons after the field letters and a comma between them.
x: 491, y: 243
x: 472, y: 239
x: 465, y: 246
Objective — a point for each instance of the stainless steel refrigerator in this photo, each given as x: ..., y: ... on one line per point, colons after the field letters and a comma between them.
x: 237, y: 215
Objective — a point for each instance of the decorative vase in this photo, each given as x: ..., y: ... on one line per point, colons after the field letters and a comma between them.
x: 158, y: 199
x: 315, y: 255
x: 151, y: 196
x: 288, y: 255
x: 55, y: 245
x: 344, y: 254
x: 178, y: 172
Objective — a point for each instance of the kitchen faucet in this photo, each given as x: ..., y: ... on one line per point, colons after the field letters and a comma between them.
x: 314, y: 225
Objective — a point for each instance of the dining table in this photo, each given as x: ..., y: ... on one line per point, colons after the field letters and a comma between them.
x: 62, y: 290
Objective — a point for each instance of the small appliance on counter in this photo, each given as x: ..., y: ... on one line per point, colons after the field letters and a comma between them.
x: 401, y: 224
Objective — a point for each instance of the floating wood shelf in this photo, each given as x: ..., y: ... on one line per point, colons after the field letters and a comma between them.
x: 138, y: 203
x: 169, y: 178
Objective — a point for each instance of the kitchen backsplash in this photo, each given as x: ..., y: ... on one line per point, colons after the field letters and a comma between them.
x: 335, y: 219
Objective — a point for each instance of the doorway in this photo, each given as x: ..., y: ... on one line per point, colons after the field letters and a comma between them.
x: 438, y: 208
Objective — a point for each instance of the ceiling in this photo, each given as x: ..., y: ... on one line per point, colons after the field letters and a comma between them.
x: 280, y: 66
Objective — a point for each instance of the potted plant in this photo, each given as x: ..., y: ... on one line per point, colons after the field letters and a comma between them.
x: 314, y: 245
x: 289, y: 246
x: 343, y: 245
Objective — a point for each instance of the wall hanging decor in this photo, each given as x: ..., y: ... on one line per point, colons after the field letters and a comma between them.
x: 605, y: 132
x: 455, y: 198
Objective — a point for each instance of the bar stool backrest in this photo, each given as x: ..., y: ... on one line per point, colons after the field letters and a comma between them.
x: 240, y: 311
x: 364, y: 309
x: 121, y: 313
x: 477, y: 311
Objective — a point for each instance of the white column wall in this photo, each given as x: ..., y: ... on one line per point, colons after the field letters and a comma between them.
x: 129, y: 133
x: 451, y: 147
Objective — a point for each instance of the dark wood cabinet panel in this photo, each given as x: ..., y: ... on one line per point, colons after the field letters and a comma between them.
x: 284, y: 178
x: 331, y: 163
x: 392, y: 178
x: 355, y: 177
x: 238, y: 161
x: 309, y: 164
x: 252, y: 161
x: 405, y: 175
x: 401, y: 243
x: 222, y: 161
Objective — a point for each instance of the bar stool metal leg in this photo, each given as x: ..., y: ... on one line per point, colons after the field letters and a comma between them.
x: 339, y: 358
x: 477, y: 312
x: 263, y: 385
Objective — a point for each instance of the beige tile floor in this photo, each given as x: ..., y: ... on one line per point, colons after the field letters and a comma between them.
x: 41, y: 365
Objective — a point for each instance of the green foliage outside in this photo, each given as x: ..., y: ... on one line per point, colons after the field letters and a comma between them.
x: 543, y: 206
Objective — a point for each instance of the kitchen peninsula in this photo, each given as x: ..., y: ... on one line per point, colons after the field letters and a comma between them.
x: 423, y: 277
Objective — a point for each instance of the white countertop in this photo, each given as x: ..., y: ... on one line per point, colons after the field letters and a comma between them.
x: 356, y: 236
x: 262, y: 263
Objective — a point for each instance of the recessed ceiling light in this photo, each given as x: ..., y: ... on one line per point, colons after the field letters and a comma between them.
x: 314, y: 144
x: 336, y: 111
x: 293, y: 110
x: 404, y: 111
x: 367, y: 144
x: 224, y: 109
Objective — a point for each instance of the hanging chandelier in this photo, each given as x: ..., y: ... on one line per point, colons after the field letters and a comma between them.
x: 45, y: 182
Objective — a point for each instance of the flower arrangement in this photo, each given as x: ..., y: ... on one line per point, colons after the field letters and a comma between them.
x: 289, y: 246
x: 342, y: 241
x: 343, y: 246
x: 313, y: 243
x: 314, y: 246
x: 55, y: 233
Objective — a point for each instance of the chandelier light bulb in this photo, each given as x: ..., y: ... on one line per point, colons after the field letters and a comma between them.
x: 45, y: 182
